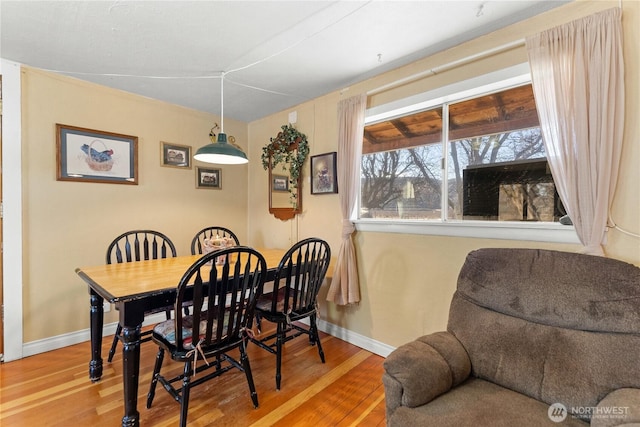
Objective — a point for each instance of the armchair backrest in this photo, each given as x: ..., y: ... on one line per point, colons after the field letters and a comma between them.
x: 557, y: 326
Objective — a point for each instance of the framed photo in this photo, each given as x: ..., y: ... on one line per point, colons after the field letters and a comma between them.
x: 96, y: 156
x: 279, y: 183
x: 175, y: 156
x: 208, y: 178
x: 323, y: 174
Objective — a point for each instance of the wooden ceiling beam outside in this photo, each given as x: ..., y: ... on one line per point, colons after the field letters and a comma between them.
x: 509, y: 110
x: 400, y: 143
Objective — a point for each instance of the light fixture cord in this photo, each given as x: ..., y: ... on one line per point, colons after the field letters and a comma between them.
x: 222, y: 73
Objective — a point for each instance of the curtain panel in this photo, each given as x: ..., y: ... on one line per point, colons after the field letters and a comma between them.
x: 345, y: 285
x: 578, y: 82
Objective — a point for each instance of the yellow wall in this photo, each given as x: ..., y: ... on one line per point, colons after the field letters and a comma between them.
x: 70, y: 224
x: 320, y: 213
x: 407, y: 280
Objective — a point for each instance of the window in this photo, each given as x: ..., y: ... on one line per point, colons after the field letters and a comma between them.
x: 491, y: 154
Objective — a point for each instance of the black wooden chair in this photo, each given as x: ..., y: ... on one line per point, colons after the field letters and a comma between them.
x: 197, y: 243
x: 138, y: 245
x: 210, y: 233
x: 297, y: 281
x: 230, y: 292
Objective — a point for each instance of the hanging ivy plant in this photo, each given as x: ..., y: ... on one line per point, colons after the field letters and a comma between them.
x: 289, y: 149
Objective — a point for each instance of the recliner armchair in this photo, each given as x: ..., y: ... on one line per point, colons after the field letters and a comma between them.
x: 534, y: 338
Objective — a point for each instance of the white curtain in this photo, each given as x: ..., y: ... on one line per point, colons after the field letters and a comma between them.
x: 345, y: 286
x: 578, y: 83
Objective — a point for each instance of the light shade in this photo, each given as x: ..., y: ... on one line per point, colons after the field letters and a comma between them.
x: 221, y: 152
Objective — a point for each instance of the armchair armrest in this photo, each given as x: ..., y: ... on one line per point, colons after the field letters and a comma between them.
x: 419, y: 371
x: 621, y: 407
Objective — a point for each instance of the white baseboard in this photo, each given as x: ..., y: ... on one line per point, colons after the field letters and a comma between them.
x: 376, y: 347
x: 64, y: 340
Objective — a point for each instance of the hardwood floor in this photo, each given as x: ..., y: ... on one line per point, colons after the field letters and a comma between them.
x: 53, y: 389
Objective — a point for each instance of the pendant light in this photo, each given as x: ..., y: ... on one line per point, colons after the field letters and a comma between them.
x: 221, y: 152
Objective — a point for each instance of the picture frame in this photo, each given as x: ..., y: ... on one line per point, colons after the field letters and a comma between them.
x: 279, y: 183
x: 175, y: 155
x: 88, y: 155
x: 324, y: 179
x: 208, y: 178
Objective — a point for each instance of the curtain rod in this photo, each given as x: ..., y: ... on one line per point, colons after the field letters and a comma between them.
x: 447, y: 66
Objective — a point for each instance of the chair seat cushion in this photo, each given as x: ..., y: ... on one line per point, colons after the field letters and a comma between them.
x: 167, y: 330
x: 265, y: 300
x: 477, y: 402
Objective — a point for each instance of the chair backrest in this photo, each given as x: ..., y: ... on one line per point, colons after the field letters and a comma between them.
x: 299, y: 277
x: 140, y: 245
x: 208, y: 233
x: 556, y: 326
x: 230, y: 291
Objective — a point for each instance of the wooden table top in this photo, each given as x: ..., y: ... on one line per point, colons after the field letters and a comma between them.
x: 120, y: 281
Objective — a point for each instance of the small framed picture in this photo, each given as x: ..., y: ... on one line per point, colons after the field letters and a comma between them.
x: 208, y: 178
x: 175, y: 156
x: 96, y: 156
x: 323, y: 174
x: 279, y: 183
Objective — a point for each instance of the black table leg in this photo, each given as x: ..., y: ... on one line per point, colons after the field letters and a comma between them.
x: 131, y: 365
x: 96, y: 315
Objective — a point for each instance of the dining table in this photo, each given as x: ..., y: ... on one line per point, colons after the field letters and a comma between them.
x: 135, y: 289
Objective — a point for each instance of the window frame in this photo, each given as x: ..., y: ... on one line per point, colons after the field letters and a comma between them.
x: 460, y: 91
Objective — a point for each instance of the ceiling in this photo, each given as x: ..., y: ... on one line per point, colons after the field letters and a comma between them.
x: 273, y: 54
